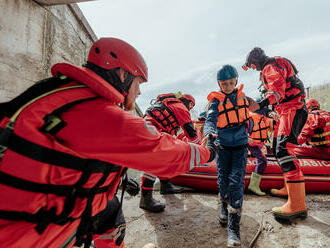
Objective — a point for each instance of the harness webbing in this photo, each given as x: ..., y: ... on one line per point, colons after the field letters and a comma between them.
x: 160, y: 107
x: 294, y: 81
x: 59, y: 190
x: 50, y: 156
x: 9, y: 108
x: 9, y: 140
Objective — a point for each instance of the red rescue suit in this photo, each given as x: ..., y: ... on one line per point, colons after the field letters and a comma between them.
x: 74, y: 173
x: 286, y: 93
x: 168, y: 115
x: 198, y: 126
x: 316, y: 135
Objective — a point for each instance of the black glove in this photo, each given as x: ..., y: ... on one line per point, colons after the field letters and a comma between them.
x: 263, y: 103
x: 132, y: 187
x: 212, y: 147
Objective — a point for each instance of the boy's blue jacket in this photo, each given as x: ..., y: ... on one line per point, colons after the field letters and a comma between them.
x: 233, y: 136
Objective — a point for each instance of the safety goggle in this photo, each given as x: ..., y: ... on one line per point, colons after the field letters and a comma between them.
x: 245, y: 67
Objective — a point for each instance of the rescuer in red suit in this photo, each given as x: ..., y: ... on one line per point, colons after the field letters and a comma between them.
x: 286, y: 93
x: 315, y: 135
x: 65, y: 143
x: 168, y: 114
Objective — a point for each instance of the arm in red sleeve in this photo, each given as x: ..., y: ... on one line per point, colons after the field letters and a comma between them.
x: 183, y: 116
x: 115, y: 136
x: 308, y: 130
x: 276, y: 84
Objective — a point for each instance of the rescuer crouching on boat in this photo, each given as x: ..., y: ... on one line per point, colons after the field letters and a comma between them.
x: 168, y: 113
x: 315, y: 135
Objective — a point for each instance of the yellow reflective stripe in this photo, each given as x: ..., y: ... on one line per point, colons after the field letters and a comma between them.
x: 17, y: 113
x: 321, y: 135
x: 320, y: 142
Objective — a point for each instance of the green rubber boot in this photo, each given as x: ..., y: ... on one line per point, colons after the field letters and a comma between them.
x: 254, y: 184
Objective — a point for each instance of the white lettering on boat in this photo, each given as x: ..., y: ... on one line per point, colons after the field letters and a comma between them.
x: 302, y: 162
x: 314, y: 163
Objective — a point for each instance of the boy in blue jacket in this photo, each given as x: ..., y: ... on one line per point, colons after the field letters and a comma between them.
x: 228, y: 121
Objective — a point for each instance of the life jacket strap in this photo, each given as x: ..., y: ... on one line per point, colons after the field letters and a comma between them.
x: 50, y: 156
x: 53, y: 122
x: 169, y: 125
x: 42, y: 218
x: 85, y: 229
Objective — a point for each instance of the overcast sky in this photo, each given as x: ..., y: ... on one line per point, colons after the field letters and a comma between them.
x: 185, y: 42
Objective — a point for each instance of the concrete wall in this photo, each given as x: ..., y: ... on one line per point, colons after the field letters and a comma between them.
x: 33, y: 37
x: 54, y: 2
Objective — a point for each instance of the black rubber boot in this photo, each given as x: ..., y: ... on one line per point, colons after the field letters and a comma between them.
x: 166, y: 187
x: 147, y: 202
x: 223, y: 216
x: 234, y: 239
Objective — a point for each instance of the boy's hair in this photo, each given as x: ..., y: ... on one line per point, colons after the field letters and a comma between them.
x: 227, y: 72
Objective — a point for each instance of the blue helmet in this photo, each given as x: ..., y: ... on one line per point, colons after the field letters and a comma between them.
x: 227, y: 72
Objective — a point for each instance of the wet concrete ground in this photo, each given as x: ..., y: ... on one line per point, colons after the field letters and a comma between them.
x: 190, y: 221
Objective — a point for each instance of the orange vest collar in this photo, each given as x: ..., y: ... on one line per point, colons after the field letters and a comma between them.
x: 219, y: 94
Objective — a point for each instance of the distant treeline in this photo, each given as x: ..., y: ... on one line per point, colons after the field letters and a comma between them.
x: 322, y: 94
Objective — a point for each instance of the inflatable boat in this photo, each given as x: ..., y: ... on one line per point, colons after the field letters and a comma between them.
x: 316, y: 172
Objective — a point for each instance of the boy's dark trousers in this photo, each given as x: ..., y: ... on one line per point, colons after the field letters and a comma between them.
x: 231, y: 164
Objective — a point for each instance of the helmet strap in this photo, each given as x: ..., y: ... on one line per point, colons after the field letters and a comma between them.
x: 112, y: 77
x: 128, y: 81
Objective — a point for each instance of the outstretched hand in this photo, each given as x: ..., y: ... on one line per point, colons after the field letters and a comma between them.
x: 254, y: 106
x: 206, y: 138
x: 273, y: 115
x: 211, y: 146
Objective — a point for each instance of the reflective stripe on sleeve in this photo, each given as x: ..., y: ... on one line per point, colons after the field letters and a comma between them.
x: 276, y: 95
x: 198, y: 155
x: 192, y: 156
x: 196, y: 140
x: 286, y: 159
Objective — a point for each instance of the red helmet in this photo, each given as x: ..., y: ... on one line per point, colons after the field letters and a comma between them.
x: 110, y: 53
x: 189, y: 98
x: 312, y: 104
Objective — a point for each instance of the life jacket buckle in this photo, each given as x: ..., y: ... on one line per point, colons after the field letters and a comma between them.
x: 2, y: 150
x: 53, y: 124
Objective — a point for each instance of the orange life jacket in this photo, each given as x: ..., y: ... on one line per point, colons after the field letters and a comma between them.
x: 260, y: 128
x: 51, y: 184
x: 162, y: 113
x: 321, y: 136
x: 230, y: 114
x: 294, y: 86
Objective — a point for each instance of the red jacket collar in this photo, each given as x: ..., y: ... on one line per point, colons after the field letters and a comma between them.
x: 90, y: 79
